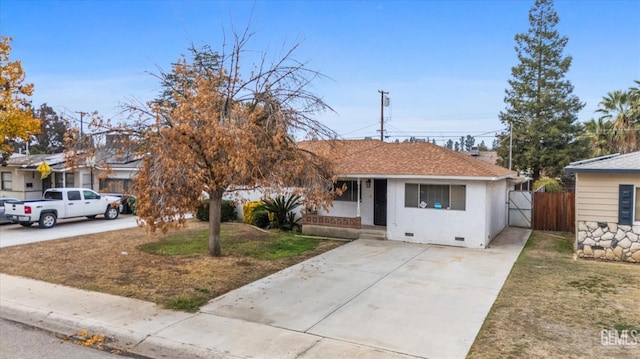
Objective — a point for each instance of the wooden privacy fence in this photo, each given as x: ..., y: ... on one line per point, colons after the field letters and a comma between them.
x: 554, y: 211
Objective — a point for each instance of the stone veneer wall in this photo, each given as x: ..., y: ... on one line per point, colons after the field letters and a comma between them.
x: 609, y: 241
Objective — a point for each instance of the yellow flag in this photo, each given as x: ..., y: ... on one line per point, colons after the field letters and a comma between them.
x: 44, y: 170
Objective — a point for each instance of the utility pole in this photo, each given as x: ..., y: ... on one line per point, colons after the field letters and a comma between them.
x: 510, y: 142
x: 382, y: 93
x: 81, y: 125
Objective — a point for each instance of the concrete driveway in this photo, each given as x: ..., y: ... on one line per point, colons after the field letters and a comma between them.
x: 14, y: 234
x: 420, y: 300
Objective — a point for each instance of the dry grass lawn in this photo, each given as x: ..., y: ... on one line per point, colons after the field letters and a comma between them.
x: 112, y: 263
x: 553, y: 306
x: 550, y: 306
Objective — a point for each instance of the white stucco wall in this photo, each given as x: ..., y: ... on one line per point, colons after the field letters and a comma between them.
x: 242, y: 197
x: 438, y: 226
x: 20, y: 189
x: 497, y: 207
x: 350, y: 209
x: 484, y: 217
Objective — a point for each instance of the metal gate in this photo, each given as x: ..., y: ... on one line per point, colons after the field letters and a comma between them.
x: 520, y: 209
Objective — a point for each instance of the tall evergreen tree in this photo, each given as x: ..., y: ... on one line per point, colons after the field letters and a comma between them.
x: 449, y: 144
x: 494, y: 144
x: 469, y: 142
x: 540, y: 104
x: 52, y: 131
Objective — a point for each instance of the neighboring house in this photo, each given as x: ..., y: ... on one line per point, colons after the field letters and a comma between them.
x: 608, y: 207
x: 416, y: 192
x: 21, y: 179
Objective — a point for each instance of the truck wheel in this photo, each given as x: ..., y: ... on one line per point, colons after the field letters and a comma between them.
x: 111, y: 213
x: 47, y: 220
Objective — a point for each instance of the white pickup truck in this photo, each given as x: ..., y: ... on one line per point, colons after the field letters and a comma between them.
x: 62, y: 203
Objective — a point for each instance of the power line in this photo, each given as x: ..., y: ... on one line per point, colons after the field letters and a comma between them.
x: 360, y: 129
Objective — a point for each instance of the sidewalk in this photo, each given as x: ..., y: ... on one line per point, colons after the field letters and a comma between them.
x: 366, y: 299
x: 142, y: 328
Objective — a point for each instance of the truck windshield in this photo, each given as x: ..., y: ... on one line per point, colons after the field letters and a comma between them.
x: 53, y: 195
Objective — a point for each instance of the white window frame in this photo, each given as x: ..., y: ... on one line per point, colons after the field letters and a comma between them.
x: 4, y: 181
x: 431, y: 205
x: 351, y: 192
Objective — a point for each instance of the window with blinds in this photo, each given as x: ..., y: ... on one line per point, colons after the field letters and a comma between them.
x: 434, y: 196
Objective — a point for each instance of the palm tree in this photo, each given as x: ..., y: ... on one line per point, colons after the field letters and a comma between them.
x: 634, y: 92
x: 621, y: 108
x: 600, y: 135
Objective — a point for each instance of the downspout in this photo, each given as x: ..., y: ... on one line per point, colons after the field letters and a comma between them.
x: 358, y: 206
x: 24, y: 181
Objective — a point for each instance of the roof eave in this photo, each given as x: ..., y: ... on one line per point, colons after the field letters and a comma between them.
x: 430, y: 177
x: 603, y: 170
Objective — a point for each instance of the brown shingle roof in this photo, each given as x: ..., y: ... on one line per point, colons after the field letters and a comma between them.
x: 373, y: 157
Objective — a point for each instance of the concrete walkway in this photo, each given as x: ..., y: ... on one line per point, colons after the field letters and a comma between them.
x: 368, y: 299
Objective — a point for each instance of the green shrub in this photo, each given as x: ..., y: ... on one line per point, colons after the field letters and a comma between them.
x: 227, y: 211
x: 550, y: 185
x: 281, y: 210
x: 202, y: 212
x: 260, y: 218
x: 293, y: 222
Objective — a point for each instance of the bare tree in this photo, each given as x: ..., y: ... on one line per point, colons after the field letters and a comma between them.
x: 220, y: 127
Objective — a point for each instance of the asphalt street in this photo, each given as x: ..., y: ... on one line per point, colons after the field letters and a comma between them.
x: 22, y: 342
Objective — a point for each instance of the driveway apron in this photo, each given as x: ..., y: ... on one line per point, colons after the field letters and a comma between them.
x: 422, y: 300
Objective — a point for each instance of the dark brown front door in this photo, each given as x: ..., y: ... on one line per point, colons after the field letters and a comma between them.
x: 380, y: 202
x: 46, y: 183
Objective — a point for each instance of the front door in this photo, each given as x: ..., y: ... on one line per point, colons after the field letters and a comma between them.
x: 380, y: 202
x: 46, y: 183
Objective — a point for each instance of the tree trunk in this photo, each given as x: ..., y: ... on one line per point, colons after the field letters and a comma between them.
x: 536, y: 174
x: 215, y: 202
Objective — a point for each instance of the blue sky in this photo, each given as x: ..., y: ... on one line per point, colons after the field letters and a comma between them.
x: 444, y: 63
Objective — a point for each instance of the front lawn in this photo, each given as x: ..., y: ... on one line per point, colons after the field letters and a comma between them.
x: 173, y: 270
x: 553, y: 306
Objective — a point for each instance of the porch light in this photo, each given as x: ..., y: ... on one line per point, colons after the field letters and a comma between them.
x: 368, y: 183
